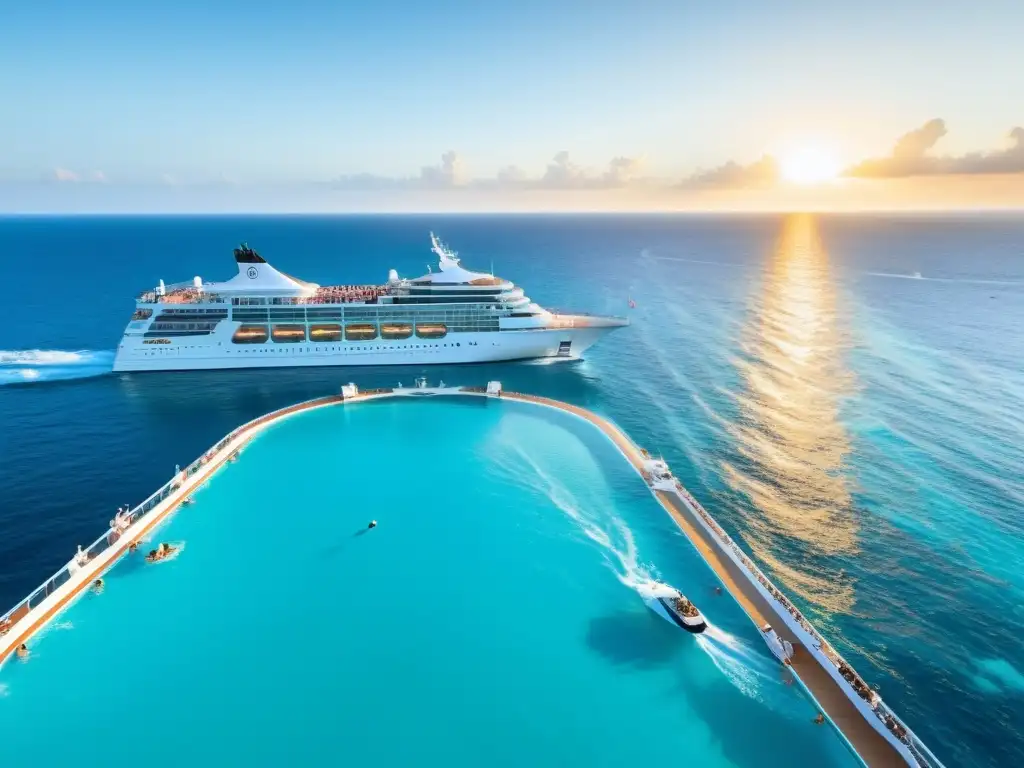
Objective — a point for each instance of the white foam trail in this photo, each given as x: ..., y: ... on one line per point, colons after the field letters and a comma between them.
x: 918, y: 276
x: 608, y: 531
x: 547, y: 361
x: 656, y: 589
x: 698, y: 261
x: 22, y: 366
x: 741, y: 665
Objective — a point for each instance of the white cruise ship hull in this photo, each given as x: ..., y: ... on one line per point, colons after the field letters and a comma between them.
x: 216, y: 351
x: 264, y: 318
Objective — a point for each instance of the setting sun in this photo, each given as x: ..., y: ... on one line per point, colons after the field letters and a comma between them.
x: 809, y: 166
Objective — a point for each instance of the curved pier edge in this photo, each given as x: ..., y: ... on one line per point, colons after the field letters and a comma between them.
x: 868, y: 727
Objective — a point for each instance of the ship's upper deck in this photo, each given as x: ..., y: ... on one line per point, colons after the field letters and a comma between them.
x: 257, y: 282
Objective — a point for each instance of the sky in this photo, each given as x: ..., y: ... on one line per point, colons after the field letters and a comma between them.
x: 737, y: 104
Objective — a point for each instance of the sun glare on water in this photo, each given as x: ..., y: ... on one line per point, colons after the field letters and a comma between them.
x: 810, y: 166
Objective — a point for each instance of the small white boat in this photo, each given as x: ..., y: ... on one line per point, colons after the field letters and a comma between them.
x: 669, y: 603
x: 782, y: 649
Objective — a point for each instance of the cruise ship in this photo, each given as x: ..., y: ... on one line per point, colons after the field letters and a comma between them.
x: 262, y: 318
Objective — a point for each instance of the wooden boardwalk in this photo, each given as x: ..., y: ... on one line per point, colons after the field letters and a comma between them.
x: 870, y: 745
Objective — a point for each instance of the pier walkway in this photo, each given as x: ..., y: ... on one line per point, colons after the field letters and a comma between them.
x: 870, y: 728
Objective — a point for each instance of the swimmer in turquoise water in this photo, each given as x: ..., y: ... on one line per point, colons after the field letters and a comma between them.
x: 155, y: 555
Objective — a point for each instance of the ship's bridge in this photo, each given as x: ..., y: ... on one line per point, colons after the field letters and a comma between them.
x: 451, y: 273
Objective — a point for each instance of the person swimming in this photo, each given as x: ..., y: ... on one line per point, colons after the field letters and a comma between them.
x: 373, y: 524
x: 97, y: 586
x: 819, y: 719
x: 22, y: 651
x: 155, y: 555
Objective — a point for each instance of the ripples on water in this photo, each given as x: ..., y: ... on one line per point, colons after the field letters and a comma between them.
x: 787, y: 432
x: 858, y: 428
x: 863, y: 437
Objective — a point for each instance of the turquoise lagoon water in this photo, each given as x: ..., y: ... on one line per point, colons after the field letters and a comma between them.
x: 488, y: 619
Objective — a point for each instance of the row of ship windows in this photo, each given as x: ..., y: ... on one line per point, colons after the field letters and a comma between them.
x: 157, y: 325
x: 420, y: 296
x: 365, y: 348
x: 262, y: 315
x: 259, y: 334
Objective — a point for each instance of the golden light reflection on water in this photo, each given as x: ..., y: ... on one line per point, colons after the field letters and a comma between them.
x: 788, y: 432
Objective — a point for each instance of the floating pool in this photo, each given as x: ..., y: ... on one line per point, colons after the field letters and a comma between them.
x: 490, y: 618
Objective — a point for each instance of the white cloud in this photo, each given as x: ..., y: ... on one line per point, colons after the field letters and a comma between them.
x: 511, y: 175
x: 762, y: 173
x: 449, y: 173
x: 563, y: 173
x: 63, y: 174
x: 623, y: 170
x: 910, y: 156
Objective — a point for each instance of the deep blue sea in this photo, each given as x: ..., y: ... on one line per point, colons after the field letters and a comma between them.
x: 844, y: 393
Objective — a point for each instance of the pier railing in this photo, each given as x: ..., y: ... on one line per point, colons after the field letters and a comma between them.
x: 113, y: 534
x: 889, y: 719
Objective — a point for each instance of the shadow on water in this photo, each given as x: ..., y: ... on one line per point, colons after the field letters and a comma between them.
x: 636, y: 639
x: 340, y: 546
x: 639, y: 640
x: 775, y: 731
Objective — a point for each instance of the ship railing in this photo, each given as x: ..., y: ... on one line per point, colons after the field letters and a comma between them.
x: 110, y: 537
x: 882, y: 711
x: 152, y: 297
x: 573, y: 313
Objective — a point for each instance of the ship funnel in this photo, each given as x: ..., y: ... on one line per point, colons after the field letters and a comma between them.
x: 392, y: 275
x: 161, y: 289
x: 197, y: 281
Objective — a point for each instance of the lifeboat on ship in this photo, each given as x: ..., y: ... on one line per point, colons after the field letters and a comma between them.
x: 669, y: 603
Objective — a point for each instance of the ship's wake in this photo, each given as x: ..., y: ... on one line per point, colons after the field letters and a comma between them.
x: 29, y: 366
x: 966, y: 280
x: 595, y: 519
x: 746, y: 669
x: 750, y: 669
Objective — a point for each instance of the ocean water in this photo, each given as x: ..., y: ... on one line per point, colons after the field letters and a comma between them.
x: 488, y: 619
x: 844, y: 393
